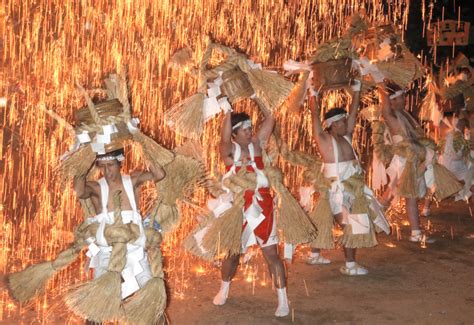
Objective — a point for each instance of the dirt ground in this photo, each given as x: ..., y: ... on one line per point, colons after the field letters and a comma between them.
x: 407, y: 284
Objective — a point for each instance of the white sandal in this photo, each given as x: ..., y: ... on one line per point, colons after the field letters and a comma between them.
x: 317, y: 260
x: 421, y: 238
x: 355, y: 270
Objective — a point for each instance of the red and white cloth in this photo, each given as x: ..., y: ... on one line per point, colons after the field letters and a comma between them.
x: 258, y: 222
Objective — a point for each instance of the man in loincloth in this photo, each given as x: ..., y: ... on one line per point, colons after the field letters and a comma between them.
x: 346, y: 199
x: 405, y: 131
x: 137, y: 270
x: 240, y: 148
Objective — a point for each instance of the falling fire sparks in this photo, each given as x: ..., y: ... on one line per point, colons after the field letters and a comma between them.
x: 48, y: 45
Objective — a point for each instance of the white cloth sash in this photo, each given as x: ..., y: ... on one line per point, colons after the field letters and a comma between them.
x: 99, y: 250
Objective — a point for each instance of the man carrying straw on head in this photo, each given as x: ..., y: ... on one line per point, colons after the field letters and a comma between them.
x: 344, y: 197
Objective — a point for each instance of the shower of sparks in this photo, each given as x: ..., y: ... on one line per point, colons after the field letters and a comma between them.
x: 48, y: 45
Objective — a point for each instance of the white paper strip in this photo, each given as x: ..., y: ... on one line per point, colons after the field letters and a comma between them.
x: 102, y: 138
x: 360, y: 223
x: 109, y: 129
x: 210, y: 108
x: 83, y: 137
x: 98, y: 148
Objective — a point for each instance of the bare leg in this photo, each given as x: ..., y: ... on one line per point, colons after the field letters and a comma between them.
x: 275, y: 265
x: 228, y: 269
x: 413, y: 215
x: 426, y: 206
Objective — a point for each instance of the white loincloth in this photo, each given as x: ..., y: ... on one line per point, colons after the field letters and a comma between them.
x: 341, y: 200
x: 136, y: 272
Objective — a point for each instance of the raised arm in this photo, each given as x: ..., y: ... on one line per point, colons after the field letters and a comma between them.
x: 314, y: 105
x: 225, y: 146
x: 155, y: 174
x: 83, y: 188
x: 385, y: 103
x: 266, y: 127
x: 353, y: 109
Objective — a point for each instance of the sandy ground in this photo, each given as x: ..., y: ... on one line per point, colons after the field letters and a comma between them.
x: 406, y: 284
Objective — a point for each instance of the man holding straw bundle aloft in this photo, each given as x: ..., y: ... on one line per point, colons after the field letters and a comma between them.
x: 243, y: 212
x: 239, y: 149
x: 344, y: 197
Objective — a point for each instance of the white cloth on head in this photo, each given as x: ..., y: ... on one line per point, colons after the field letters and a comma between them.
x: 329, y: 121
x: 137, y: 269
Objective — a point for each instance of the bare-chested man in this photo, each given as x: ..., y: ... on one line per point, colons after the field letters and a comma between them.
x: 240, y: 148
x: 341, y: 166
x: 137, y: 270
x: 403, y: 128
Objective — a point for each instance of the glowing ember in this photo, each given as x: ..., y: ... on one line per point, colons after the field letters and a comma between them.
x: 49, y: 44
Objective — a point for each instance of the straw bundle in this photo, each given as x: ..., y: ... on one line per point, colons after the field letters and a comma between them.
x: 224, y: 234
x: 147, y: 306
x: 446, y: 184
x: 350, y: 240
x: 271, y: 88
x: 356, y: 185
x: 383, y: 152
x: 182, y: 58
x: 186, y: 117
x: 190, y: 148
x: 292, y: 220
x: 77, y: 164
x: 334, y: 49
x: 181, y: 175
x: 192, y: 246
x: 236, y: 85
x: 100, y: 300
x: 30, y: 282
x: 323, y: 219
x: 153, y: 152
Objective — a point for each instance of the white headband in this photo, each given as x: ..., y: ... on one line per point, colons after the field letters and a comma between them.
x: 327, y: 123
x: 396, y: 94
x: 244, y: 124
x: 120, y: 157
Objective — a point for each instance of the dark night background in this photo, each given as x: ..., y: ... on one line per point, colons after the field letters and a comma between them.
x: 414, y: 31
